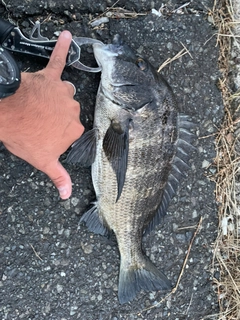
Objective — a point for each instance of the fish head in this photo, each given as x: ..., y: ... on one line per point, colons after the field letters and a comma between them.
x: 127, y: 78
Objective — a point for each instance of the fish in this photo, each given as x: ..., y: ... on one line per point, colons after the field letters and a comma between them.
x: 139, y: 150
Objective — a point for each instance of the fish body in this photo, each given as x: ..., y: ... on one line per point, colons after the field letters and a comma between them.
x: 139, y: 149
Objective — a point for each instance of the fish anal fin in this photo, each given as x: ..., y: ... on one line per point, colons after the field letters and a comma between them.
x: 84, y: 149
x: 93, y: 221
x: 115, y: 146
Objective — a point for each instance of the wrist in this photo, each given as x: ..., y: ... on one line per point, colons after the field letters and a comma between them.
x: 4, y: 107
x: 10, y: 77
x: 10, y: 111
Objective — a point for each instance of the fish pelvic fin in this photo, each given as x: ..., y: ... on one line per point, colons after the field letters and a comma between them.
x: 93, y: 221
x: 180, y: 165
x: 136, y: 278
x: 84, y: 149
x: 115, y: 146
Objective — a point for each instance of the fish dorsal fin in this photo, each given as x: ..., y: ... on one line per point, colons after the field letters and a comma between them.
x: 179, y: 168
x: 115, y: 146
x: 84, y: 149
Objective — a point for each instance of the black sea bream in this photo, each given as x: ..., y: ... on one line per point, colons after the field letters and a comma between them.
x: 139, y: 149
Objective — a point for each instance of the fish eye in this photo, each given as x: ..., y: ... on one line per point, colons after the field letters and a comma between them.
x: 141, y: 64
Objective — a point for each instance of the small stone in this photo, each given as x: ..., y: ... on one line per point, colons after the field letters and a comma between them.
x: 74, y: 201
x: 4, y: 277
x: 46, y: 230
x: 194, y: 214
x: 175, y: 226
x: 169, y: 46
x: 205, y: 164
x: 59, y: 288
x: 87, y: 248
x: 57, y: 33
x: 67, y: 204
x: 152, y: 296
x: 73, y: 310
x: 48, y: 308
x: 99, y: 297
x: 67, y: 232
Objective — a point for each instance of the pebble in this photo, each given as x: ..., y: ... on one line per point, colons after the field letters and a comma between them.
x: 175, y: 226
x: 194, y: 214
x: 99, y: 297
x: 74, y: 201
x: 87, y: 248
x: 205, y: 164
x: 67, y: 233
x: 4, y: 277
x: 67, y: 204
x: 46, y: 230
x: 169, y: 46
x: 59, y: 288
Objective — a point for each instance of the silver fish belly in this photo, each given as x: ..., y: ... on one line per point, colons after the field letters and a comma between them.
x: 139, y: 150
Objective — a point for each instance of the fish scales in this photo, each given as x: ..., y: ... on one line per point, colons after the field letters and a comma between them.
x: 143, y: 144
x: 139, y: 152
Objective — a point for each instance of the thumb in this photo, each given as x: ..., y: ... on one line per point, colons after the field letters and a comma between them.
x: 60, y: 178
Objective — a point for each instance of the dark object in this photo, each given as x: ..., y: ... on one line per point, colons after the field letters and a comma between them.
x: 139, y: 148
x: 9, y: 74
x: 11, y: 38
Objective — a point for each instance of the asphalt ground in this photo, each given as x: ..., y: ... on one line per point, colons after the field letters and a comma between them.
x: 50, y: 269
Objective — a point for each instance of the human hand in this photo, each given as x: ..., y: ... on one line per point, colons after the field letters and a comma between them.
x: 41, y: 120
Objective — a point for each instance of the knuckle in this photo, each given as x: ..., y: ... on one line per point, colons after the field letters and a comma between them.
x: 79, y: 130
x: 76, y: 107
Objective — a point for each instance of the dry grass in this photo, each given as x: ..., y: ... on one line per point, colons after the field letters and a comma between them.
x: 177, y: 56
x: 226, y: 248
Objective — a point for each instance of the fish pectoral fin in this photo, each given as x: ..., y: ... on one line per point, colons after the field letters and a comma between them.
x: 93, y: 222
x: 115, y: 146
x: 84, y: 149
x: 134, y: 279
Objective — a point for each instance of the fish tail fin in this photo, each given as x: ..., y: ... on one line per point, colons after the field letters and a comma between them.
x: 136, y: 278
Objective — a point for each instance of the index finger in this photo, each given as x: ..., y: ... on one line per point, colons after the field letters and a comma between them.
x: 58, y: 57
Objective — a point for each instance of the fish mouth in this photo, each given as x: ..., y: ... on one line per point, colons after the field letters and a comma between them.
x: 102, y: 53
x: 105, y: 53
x: 109, y: 50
